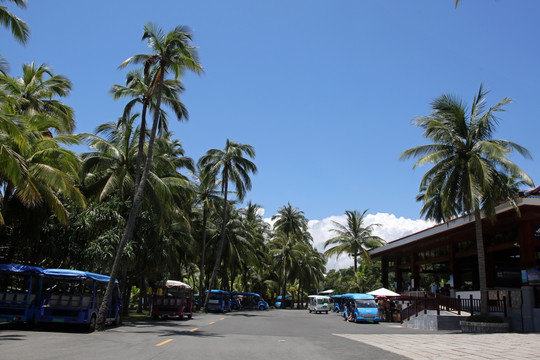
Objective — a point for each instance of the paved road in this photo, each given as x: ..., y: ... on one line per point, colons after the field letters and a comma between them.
x: 276, y: 334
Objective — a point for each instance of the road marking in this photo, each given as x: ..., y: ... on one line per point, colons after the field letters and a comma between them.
x: 194, y: 329
x: 163, y: 343
x: 213, y: 322
x: 222, y: 319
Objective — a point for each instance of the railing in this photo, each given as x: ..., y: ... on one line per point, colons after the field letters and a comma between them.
x: 445, y: 303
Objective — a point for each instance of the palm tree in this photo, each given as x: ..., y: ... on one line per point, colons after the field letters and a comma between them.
x: 470, y: 167
x: 354, y: 239
x: 171, y: 52
x: 292, y: 223
x: 233, y: 167
x: 205, y: 189
x: 37, y: 175
x: 18, y: 28
x: 141, y: 88
x: 36, y: 92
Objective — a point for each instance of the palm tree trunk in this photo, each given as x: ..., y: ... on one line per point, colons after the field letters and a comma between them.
x: 284, y: 285
x: 222, y: 241
x: 201, y: 271
x: 481, y: 263
x: 130, y: 225
x: 142, y: 137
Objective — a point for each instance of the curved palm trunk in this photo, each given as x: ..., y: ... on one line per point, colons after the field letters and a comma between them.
x: 222, y: 241
x: 142, y: 137
x: 130, y: 225
x: 481, y: 263
x: 203, y: 255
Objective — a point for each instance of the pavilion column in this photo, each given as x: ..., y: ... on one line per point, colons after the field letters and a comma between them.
x: 384, y: 272
x: 454, y: 270
x: 398, y: 276
x: 415, y: 274
x: 527, y: 253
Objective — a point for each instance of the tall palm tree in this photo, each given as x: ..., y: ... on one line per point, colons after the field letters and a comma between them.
x: 233, y: 167
x: 206, y: 192
x: 141, y: 88
x: 171, y: 52
x: 292, y: 223
x: 18, y: 27
x: 470, y: 167
x: 354, y: 238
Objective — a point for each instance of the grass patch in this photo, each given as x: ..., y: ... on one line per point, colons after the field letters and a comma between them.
x: 134, y: 316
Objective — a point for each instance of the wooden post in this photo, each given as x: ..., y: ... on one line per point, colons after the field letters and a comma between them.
x: 504, y: 306
x: 425, y: 303
x: 459, y: 304
x: 472, y: 304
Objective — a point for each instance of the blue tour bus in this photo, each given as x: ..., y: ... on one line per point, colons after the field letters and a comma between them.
x: 363, y: 308
x: 289, y: 302
x: 219, y: 301
x: 248, y: 301
x: 337, y: 303
x: 20, y: 290
x: 74, y: 297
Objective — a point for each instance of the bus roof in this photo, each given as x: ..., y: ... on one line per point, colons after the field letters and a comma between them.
x: 18, y: 268
x: 356, y: 296
x: 245, y: 293
x: 75, y: 274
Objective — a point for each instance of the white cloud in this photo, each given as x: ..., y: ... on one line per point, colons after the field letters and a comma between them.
x: 391, y: 228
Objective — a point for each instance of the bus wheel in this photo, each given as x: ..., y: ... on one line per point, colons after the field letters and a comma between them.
x: 189, y: 316
x: 261, y: 308
x: 156, y: 317
x: 92, y: 323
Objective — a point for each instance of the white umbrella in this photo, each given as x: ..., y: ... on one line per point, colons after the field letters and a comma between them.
x: 383, y: 292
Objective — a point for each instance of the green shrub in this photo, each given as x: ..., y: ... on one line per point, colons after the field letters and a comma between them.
x: 485, y: 318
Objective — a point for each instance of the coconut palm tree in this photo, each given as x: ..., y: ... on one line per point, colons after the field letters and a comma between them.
x: 37, y: 91
x: 140, y: 87
x: 292, y: 223
x: 18, y: 27
x: 171, y: 52
x: 38, y: 175
x: 470, y: 167
x: 233, y: 167
x: 207, y: 196
x: 354, y: 238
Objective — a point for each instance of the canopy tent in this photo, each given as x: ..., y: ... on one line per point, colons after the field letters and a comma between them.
x: 383, y: 292
x: 178, y: 284
x: 325, y: 292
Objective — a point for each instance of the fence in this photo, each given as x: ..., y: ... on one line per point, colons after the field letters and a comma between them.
x: 446, y: 303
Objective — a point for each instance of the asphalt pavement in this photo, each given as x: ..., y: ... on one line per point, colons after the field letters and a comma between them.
x: 274, y: 334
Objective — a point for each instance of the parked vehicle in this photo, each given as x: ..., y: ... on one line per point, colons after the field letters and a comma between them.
x: 20, y: 292
x: 219, y: 301
x: 289, y: 302
x: 337, y: 303
x: 248, y: 301
x: 360, y: 308
x: 171, y: 298
x: 74, y: 296
x: 318, y: 304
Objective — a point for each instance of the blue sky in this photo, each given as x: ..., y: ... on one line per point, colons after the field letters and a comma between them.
x: 324, y: 90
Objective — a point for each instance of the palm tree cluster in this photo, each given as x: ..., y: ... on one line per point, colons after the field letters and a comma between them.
x: 135, y: 206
